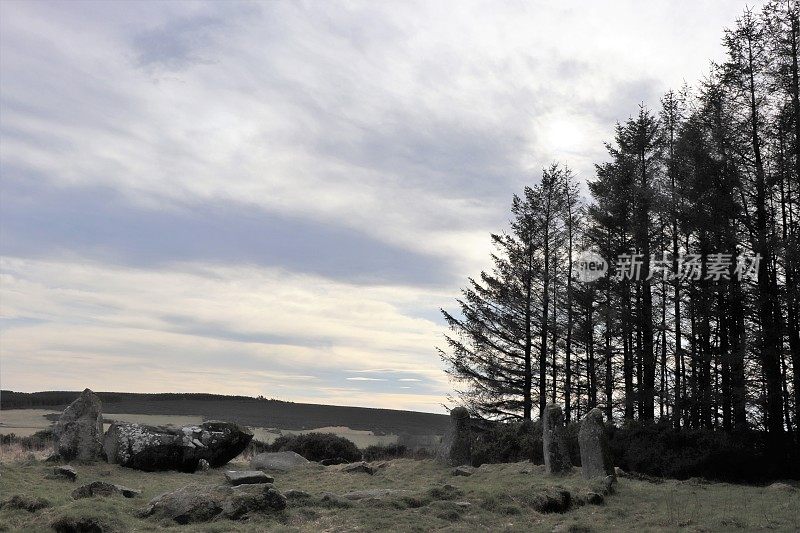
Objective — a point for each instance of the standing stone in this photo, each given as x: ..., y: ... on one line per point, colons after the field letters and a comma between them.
x: 78, y: 434
x: 593, y: 441
x: 554, y: 442
x: 456, y: 446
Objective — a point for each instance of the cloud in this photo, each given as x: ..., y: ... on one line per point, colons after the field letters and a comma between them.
x: 40, y: 218
x: 253, y: 197
x: 243, y: 330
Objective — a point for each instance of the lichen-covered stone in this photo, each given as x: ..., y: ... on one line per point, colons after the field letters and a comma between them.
x: 201, y: 503
x: 78, y: 434
x: 153, y: 448
x: 554, y: 441
x: 593, y: 442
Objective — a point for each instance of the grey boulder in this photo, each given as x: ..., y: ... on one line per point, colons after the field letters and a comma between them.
x: 154, y: 448
x: 278, y: 461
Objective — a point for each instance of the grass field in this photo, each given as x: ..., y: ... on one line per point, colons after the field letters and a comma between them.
x: 25, y: 422
x: 499, y: 498
x: 252, y: 412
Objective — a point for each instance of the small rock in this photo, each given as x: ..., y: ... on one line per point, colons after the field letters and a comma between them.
x: 620, y: 472
x: 334, y: 461
x: 101, y: 488
x: 296, y: 494
x: 608, y: 484
x: 27, y: 503
x: 63, y: 472
x: 552, y: 501
x: 594, y: 498
x: 376, y: 494
x: 203, y: 466
x: 463, y: 505
x: 247, y: 477
x: 71, y: 524
x: 782, y: 487
x: 358, y: 467
x: 463, y: 470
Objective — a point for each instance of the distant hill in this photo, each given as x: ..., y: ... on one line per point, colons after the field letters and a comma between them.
x: 245, y: 410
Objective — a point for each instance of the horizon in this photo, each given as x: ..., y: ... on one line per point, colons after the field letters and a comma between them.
x: 240, y: 198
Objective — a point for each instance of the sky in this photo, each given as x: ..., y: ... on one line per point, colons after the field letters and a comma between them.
x: 276, y: 198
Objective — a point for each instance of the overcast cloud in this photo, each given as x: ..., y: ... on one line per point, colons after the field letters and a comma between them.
x: 276, y: 197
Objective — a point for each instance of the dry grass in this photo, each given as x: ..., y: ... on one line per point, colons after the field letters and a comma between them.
x: 500, y: 498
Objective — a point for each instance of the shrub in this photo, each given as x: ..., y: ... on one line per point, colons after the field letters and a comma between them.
x: 507, y: 443
x: 659, y: 450
x: 40, y: 440
x: 389, y: 451
x: 317, y: 446
x: 650, y: 449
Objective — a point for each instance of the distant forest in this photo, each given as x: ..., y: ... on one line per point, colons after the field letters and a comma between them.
x: 711, y: 174
x: 254, y: 412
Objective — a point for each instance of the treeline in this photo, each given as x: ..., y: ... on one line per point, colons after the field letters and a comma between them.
x: 702, y: 195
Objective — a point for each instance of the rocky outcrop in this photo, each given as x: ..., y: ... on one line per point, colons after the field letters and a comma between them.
x: 593, y: 441
x: 456, y: 446
x: 101, y: 488
x: 201, y: 503
x: 153, y: 448
x: 78, y: 434
x: 554, y: 442
x: 278, y: 461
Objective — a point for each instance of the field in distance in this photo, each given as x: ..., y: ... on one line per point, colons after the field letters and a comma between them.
x: 25, y: 413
